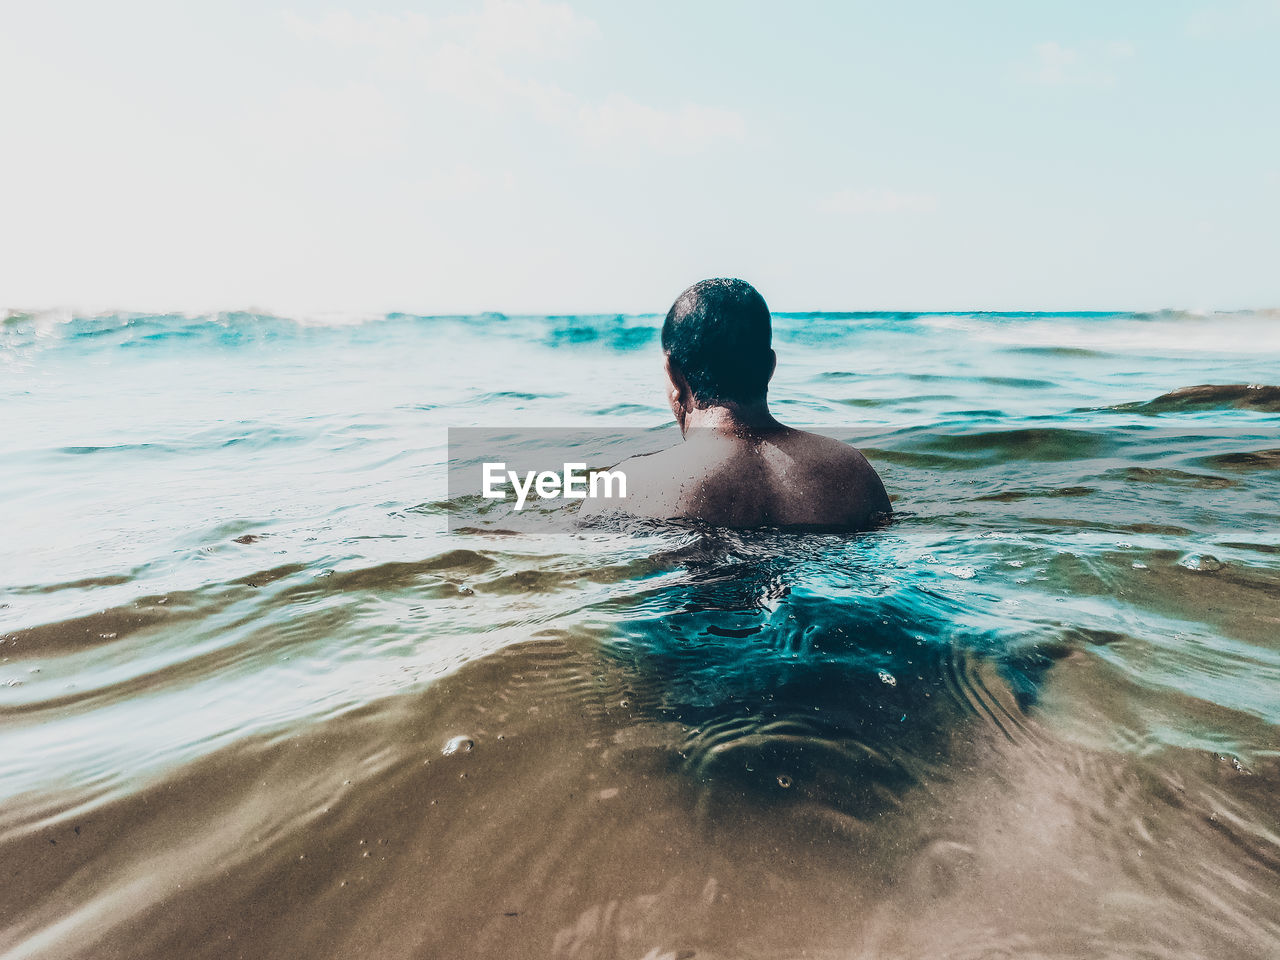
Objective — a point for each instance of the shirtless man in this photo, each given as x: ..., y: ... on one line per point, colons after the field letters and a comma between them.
x: 738, y: 466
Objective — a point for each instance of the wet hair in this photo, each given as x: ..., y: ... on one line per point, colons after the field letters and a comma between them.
x: 718, y: 333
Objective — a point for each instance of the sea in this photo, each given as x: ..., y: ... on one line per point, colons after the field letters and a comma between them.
x: 260, y: 698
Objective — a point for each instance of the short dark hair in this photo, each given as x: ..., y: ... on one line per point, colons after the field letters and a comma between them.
x: 719, y: 333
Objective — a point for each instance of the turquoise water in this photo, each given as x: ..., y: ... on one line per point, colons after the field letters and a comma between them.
x: 256, y: 700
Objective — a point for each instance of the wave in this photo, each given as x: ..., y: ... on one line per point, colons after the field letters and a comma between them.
x: 1027, y: 443
x: 1058, y: 334
x: 1210, y: 396
x: 1157, y: 333
x: 1245, y: 460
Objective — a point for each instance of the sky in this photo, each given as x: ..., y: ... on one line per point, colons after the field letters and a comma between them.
x: 527, y: 156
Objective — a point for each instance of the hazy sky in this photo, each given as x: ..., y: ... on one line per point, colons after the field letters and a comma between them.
x: 589, y: 156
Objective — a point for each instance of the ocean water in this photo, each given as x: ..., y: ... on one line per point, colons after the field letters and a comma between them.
x: 256, y: 699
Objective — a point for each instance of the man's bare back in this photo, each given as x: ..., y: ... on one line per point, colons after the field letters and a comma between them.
x: 776, y: 478
x: 738, y: 466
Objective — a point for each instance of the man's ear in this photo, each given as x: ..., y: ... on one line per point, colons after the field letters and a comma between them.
x: 679, y: 386
x: 679, y: 395
x: 773, y: 365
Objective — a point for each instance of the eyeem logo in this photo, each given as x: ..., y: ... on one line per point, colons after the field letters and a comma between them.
x: 574, y: 483
x: 525, y: 478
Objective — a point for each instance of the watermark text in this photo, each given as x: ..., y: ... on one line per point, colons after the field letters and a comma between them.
x: 575, y: 482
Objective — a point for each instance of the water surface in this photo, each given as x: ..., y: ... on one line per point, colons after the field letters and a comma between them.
x: 257, y: 701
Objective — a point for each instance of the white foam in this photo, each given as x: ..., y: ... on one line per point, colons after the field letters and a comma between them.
x: 1166, y: 332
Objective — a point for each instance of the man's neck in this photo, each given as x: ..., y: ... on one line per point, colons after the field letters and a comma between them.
x: 731, y: 419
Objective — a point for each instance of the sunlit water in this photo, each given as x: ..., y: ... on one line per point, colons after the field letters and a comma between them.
x: 256, y: 701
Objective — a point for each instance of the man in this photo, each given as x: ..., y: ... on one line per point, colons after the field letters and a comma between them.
x: 738, y: 466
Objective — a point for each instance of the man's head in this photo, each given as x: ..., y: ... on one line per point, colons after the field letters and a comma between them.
x: 717, y: 340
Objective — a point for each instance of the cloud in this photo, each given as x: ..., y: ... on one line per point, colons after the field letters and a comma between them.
x: 877, y: 200
x: 1232, y: 17
x: 1053, y: 65
x: 345, y: 30
x: 463, y: 180
x: 482, y: 58
x: 506, y: 27
x: 353, y: 121
x: 620, y: 120
x: 497, y: 28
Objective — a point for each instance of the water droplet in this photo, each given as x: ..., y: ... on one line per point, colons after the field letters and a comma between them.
x: 887, y: 677
x: 458, y: 745
x: 1203, y: 562
x: 784, y: 781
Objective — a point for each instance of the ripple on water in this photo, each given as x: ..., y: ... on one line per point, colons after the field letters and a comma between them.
x: 1035, y: 716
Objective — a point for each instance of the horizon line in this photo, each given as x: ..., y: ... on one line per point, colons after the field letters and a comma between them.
x: 11, y: 313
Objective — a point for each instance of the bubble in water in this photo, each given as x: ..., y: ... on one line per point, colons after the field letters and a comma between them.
x: 887, y: 677
x: 1236, y: 765
x: 962, y: 573
x: 784, y: 781
x: 1202, y: 562
x: 458, y: 744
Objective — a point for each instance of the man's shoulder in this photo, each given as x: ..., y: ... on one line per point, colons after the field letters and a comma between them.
x: 838, y: 477
x: 821, y: 451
